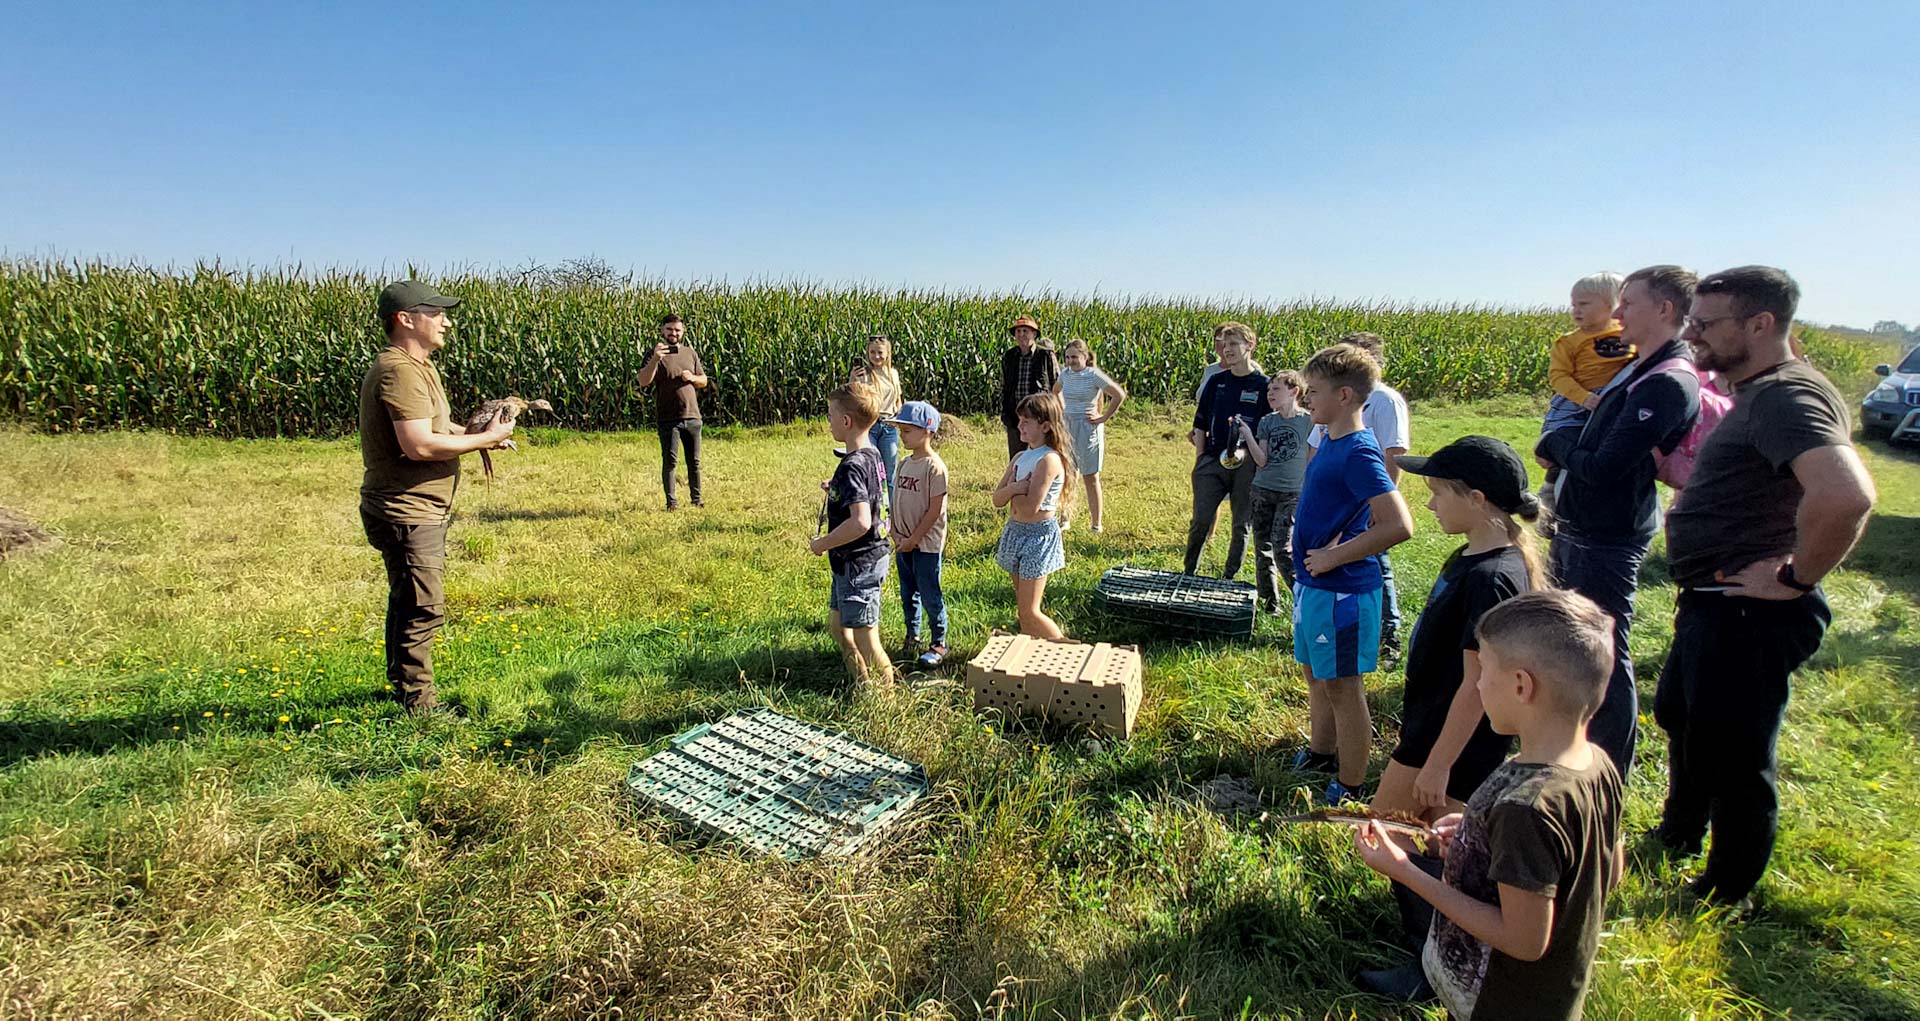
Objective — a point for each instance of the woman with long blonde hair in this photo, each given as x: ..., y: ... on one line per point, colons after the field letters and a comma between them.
x: 1033, y: 488
x: 876, y: 370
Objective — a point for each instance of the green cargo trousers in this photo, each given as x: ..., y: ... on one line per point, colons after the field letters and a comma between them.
x: 416, y: 559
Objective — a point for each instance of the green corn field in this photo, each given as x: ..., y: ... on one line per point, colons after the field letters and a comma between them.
x: 280, y: 352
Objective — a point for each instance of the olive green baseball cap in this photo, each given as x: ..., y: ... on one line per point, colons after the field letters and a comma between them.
x: 402, y: 295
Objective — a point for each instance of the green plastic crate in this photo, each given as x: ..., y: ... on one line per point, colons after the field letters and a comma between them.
x: 779, y: 785
x: 1171, y: 599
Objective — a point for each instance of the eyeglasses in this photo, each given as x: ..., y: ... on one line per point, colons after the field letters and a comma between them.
x: 1699, y: 325
x: 430, y: 311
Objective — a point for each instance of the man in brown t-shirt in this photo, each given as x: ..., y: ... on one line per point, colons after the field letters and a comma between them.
x: 1777, y: 499
x: 674, y: 371
x: 410, y: 448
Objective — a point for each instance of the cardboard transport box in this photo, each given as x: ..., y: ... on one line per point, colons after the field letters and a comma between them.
x: 1062, y: 682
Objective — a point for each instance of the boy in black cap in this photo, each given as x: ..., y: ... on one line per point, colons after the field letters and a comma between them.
x: 1447, y: 748
x: 410, y: 447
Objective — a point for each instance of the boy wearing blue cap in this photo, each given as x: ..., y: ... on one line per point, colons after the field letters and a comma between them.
x: 919, y: 525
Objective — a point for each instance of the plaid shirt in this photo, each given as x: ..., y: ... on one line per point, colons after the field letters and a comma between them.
x: 1022, y: 375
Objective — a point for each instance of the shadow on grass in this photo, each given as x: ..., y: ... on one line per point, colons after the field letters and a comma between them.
x: 36, y: 732
x: 1251, y: 955
x: 1787, y: 964
x: 706, y: 686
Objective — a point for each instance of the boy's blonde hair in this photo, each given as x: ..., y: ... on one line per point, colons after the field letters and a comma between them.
x: 857, y: 401
x: 1604, y: 284
x: 1345, y: 365
x: 1562, y: 638
x: 1233, y: 329
x: 1076, y: 344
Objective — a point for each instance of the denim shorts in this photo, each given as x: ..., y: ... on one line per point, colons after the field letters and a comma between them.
x: 1031, y: 549
x: 856, y: 593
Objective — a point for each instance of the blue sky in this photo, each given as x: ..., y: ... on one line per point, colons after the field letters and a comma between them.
x: 1268, y: 150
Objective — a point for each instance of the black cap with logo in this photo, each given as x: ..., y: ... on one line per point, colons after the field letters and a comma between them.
x: 402, y: 295
x: 1482, y: 463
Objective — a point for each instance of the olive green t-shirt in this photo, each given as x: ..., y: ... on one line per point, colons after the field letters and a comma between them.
x: 397, y: 389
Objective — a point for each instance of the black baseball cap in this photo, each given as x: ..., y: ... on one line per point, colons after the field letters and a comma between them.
x: 402, y: 295
x: 1478, y: 462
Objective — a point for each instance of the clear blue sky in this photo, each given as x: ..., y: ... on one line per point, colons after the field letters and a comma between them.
x: 1266, y: 150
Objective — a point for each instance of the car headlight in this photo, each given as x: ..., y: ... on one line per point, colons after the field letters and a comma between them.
x: 1885, y: 393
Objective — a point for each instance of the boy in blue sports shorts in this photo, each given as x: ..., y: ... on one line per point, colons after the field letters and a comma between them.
x: 1350, y: 512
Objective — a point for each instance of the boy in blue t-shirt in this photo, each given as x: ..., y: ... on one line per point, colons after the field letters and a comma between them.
x: 1349, y: 513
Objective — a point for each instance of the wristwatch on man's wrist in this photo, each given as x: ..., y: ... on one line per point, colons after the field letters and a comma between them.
x: 1785, y: 577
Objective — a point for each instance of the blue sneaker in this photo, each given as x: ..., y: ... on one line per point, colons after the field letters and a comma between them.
x: 932, y: 657
x: 1339, y: 794
x: 1306, y: 760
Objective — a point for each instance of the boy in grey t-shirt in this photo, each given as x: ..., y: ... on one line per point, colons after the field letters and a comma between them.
x: 1278, y: 445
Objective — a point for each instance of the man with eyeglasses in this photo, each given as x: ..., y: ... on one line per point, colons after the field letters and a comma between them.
x: 410, y: 448
x: 1777, y: 499
x: 1605, y: 505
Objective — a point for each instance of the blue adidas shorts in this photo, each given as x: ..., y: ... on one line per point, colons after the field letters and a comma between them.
x: 1336, y: 634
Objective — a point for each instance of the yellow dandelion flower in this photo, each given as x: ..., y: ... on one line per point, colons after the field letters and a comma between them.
x: 286, y: 719
x: 286, y: 748
x: 473, y: 748
x: 226, y: 716
x: 336, y: 719
x: 176, y: 726
x: 508, y: 743
x: 207, y: 715
x: 276, y: 670
x: 241, y: 670
x: 546, y: 740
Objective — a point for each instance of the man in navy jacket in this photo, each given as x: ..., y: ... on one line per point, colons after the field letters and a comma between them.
x: 1607, y: 510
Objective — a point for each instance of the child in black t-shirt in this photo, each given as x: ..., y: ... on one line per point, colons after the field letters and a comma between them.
x: 1447, y: 747
x: 855, y: 543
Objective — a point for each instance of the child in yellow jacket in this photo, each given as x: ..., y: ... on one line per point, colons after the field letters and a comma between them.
x: 1584, y: 360
x: 1582, y: 363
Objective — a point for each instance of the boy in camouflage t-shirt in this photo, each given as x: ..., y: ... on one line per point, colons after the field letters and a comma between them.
x: 1529, y: 865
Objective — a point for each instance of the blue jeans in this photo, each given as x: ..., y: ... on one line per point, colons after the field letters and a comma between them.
x: 1390, y: 619
x: 1607, y: 571
x: 886, y: 438
x: 920, y: 586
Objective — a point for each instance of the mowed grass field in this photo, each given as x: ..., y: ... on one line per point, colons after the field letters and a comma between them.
x: 209, y: 808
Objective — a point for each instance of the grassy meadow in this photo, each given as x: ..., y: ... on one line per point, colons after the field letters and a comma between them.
x: 209, y: 808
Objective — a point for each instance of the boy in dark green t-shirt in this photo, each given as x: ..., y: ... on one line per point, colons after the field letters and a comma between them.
x: 1529, y: 865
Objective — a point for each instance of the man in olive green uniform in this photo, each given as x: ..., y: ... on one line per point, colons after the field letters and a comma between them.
x: 411, y: 449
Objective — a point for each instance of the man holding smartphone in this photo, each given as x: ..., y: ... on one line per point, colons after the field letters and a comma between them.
x: 674, y: 371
